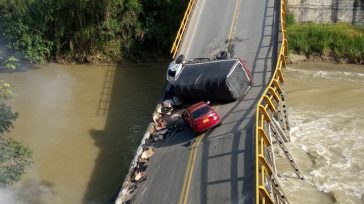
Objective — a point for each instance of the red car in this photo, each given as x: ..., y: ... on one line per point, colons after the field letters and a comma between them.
x: 201, y: 117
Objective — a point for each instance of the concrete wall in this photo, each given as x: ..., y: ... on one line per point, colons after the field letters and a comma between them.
x: 323, y: 11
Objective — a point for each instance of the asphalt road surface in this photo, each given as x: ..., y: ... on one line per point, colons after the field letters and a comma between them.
x: 218, y: 166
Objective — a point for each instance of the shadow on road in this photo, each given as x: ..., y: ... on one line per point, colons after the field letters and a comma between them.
x: 241, y: 135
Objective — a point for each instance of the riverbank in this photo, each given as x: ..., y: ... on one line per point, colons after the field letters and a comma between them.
x: 338, y: 43
x: 147, y: 58
x: 293, y: 59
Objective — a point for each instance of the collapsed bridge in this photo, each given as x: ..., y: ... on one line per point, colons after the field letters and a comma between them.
x: 233, y: 163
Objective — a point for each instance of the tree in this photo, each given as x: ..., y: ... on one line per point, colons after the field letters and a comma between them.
x: 8, y: 63
x: 82, y: 30
x: 15, y: 158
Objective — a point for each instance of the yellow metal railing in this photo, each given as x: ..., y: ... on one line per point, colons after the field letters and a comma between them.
x: 268, y: 104
x: 182, y: 28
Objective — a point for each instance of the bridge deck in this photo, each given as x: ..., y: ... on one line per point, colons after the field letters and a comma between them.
x: 219, y: 166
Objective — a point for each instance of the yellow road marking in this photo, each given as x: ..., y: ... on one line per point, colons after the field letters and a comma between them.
x: 193, y: 162
x: 189, y: 171
x: 186, y: 174
x: 192, y: 158
x: 232, y: 27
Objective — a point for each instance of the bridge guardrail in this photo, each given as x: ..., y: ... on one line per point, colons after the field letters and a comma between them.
x: 266, y: 106
x: 182, y: 28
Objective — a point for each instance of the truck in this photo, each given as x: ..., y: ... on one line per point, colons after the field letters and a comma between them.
x: 218, y: 81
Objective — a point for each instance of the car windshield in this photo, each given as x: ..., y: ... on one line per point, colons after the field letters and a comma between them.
x: 200, y: 112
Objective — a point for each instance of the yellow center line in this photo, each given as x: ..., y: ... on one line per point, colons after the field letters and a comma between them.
x: 192, y: 157
x: 189, y: 171
x: 186, y: 174
x: 232, y: 27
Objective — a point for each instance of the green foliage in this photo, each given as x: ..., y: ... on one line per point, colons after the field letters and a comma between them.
x: 161, y: 19
x: 9, y: 62
x: 339, y: 41
x: 23, y: 26
x: 7, y: 118
x: 5, y: 92
x: 15, y: 158
x: 80, y: 29
x: 290, y: 19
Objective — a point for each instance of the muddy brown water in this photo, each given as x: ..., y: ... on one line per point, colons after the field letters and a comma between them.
x: 327, y: 118
x: 84, y: 123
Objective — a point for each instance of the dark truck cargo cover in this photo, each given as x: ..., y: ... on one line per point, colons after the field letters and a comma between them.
x: 217, y: 81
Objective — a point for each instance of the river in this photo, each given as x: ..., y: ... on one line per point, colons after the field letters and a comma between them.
x: 327, y: 128
x: 84, y: 123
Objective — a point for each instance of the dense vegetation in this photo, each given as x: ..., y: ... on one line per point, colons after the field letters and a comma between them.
x: 339, y: 42
x: 14, y: 157
x: 89, y: 30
